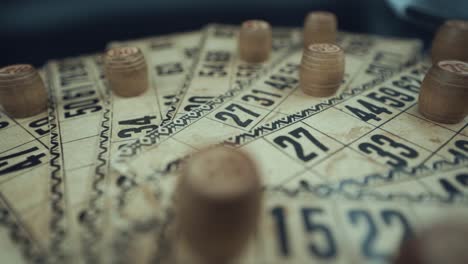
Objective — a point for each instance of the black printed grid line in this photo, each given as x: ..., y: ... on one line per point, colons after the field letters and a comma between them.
x: 437, y: 124
x: 194, y: 148
x: 274, y: 64
x: 348, y: 145
x: 268, y: 110
x: 20, y: 145
x: 218, y: 105
x: 152, y: 77
x: 382, y: 80
x: 358, y: 73
x: 63, y: 172
x: 380, y: 128
x: 305, y: 168
x: 23, y: 172
x: 21, y: 223
x: 172, y: 109
x: 320, y: 111
x: 27, y: 131
x: 405, y: 110
x: 181, y: 94
x: 225, y: 87
x: 377, y: 80
x: 312, y: 166
x: 445, y: 143
x: 235, y: 62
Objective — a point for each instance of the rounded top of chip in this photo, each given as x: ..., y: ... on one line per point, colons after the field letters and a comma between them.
x: 124, y: 59
x: 454, y: 66
x: 324, y: 48
x: 123, y: 51
x: 255, y: 24
x: 321, y: 16
x: 17, y: 69
x: 221, y: 174
x: 17, y: 75
x: 459, y: 24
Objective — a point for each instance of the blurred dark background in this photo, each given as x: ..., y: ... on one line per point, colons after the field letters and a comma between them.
x: 33, y: 31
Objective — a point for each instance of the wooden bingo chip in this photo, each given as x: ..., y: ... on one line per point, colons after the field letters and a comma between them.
x: 442, y: 243
x: 126, y: 71
x: 451, y: 42
x: 22, y: 91
x: 322, y: 69
x: 320, y: 27
x: 255, y: 40
x: 218, y: 203
x: 444, y: 92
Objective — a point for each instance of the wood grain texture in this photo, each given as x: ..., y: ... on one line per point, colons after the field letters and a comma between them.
x: 255, y: 41
x: 444, y: 242
x: 444, y: 92
x: 22, y: 91
x: 126, y: 71
x: 320, y: 27
x: 322, y: 69
x: 218, y: 203
x: 451, y: 42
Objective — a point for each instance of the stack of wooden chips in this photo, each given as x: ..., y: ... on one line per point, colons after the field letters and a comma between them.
x: 451, y: 42
x: 218, y: 205
x: 126, y: 71
x: 22, y: 91
x: 255, y: 41
x: 322, y: 69
x: 320, y: 27
x: 444, y: 92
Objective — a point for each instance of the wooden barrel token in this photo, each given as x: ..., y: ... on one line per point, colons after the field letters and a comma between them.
x: 218, y: 203
x: 444, y: 92
x: 322, y: 69
x: 126, y: 71
x: 451, y: 42
x: 22, y: 91
x: 255, y: 41
x: 320, y: 27
x: 442, y: 243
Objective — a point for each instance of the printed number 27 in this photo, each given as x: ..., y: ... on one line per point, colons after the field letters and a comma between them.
x: 231, y: 114
x: 297, y: 133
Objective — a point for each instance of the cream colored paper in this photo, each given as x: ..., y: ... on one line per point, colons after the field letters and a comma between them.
x: 219, y: 68
x: 121, y: 106
x: 24, y: 183
x: 125, y: 119
x: 285, y: 234
x: 76, y: 113
x: 170, y: 60
x: 245, y: 110
x: 17, y: 243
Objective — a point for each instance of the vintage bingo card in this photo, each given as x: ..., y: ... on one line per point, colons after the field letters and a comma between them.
x: 345, y: 223
x: 24, y: 183
x: 273, y: 96
x: 76, y: 113
x: 128, y: 118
